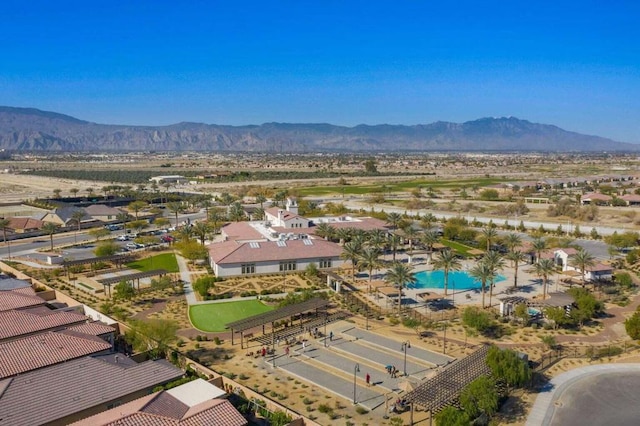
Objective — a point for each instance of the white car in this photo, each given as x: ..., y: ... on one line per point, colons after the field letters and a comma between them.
x: 132, y: 246
x: 123, y: 238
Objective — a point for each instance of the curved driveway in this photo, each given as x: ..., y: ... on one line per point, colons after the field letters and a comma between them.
x: 595, y: 395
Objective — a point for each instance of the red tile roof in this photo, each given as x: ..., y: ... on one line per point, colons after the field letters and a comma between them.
x: 24, y: 223
x: 20, y: 298
x: 596, y: 196
x: 41, y: 350
x: 162, y: 409
x: 92, y: 328
x: 28, y: 321
x: 231, y: 252
x: 241, y: 231
x: 286, y: 215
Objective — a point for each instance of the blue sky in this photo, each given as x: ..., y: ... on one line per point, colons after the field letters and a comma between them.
x: 572, y: 64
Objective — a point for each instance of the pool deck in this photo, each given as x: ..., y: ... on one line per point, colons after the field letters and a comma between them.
x: 529, y: 285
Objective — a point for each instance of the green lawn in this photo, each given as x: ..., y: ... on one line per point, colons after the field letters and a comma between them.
x: 162, y: 261
x: 213, y: 317
x: 460, y: 248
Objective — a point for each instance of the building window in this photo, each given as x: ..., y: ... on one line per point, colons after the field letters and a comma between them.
x: 324, y: 263
x: 288, y: 266
x: 248, y: 268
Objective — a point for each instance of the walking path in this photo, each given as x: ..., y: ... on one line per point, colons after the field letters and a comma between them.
x: 185, y: 276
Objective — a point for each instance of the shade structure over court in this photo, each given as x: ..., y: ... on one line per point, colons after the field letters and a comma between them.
x: 261, y: 320
x: 108, y: 282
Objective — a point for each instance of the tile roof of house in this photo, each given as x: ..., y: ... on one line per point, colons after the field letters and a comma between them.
x: 19, y: 298
x: 94, y: 328
x: 241, y: 231
x: 596, y: 196
x: 45, y: 349
x: 66, y: 213
x: 570, y: 251
x: 232, y: 252
x: 27, y: 321
x: 600, y: 267
x: 631, y: 197
x: 55, y: 392
x: 22, y: 223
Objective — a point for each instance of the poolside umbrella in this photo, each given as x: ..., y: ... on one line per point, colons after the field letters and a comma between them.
x: 406, y: 386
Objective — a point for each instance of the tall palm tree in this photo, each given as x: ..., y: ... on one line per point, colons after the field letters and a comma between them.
x: 543, y: 269
x: 4, y: 224
x: 324, y: 230
x: 516, y: 257
x: 539, y: 245
x: 370, y: 260
x: 201, y: 229
x: 483, y: 273
x: 427, y: 220
x: 50, y: 228
x: 495, y: 261
x: 236, y: 212
x: 215, y: 217
x: 124, y: 218
x: 351, y: 252
x: 394, y: 242
x: 343, y: 234
x: 582, y: 260
x: 76, y: 217
x: 377, y: 238
x: 74, y: 191
x: 136, y: 206
x: 410, y: 234
x: 56, y: 193
x: 447, y: 261
x: 429, y: 238
x: 399, y: 275
x: 90, y: 192
x: 511, y: 241
x: 261, y: 199
x: 490, y: 234
x: 175, y: 208
x: 394, y: 219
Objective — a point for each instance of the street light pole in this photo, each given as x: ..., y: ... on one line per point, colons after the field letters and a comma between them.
x: 356, y: 369
x: 405, y: 345
x: 326, y: 315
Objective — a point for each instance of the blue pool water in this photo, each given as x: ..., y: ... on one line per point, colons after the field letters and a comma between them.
x: 458, y: 280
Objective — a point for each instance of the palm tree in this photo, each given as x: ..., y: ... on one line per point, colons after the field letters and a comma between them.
x: 201, y: 229
x: 90, y: 192
x: 427, y: 220
x: 511, y: 241
x: 516, y: 257
x: 76, y: 217
x: 56, y: 193
x: 260, y: 198
x: 123, y: 217
x: 351, y: 252
x: 495, y: 261
x: 50, y: 228
x: 215, y: 217
x: 582, y: 260
x: 394, y: 219
x: 186, y: 232
x: 370, y: 260
x: 136, y: 206
x: 490, y: 234
x: 399, y: 275
x: 411, y: 234
x: 324, y: 230
x: 394, y: 242
x: 377, y: 238
x: 483, y: 273
x: 447, y: 261
x: 429, y: 238
x: 543, y: 269
x: 74, y: 191
x: 236, y: 211
x: 343, y: 235
x: 175, y: 208
x: 539, y: 245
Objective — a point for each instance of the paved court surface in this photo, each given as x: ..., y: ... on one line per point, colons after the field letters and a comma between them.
x: 595, y: 395
x: 394, y: 345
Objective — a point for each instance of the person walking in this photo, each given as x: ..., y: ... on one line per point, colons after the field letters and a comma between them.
x: 368, y: 379
x: 304, y: 346
x: 331, y: 336
x: 286, y: 351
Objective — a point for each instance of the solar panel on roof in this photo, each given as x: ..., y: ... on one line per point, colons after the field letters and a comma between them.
x: 254, y: 244
x: 308, y: 242
x: 281, y: 243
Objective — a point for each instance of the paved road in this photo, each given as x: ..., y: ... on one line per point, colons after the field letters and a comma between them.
x: 595, y: 395
x: 368, y: 397
x: 394, y: 346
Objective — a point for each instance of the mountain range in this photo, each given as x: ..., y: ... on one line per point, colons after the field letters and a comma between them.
x: 29, y: 129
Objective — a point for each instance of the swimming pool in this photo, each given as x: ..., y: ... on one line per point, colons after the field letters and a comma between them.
x: 458, y: 280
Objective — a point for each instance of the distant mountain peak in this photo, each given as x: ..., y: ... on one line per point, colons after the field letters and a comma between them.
x: 30, y: 129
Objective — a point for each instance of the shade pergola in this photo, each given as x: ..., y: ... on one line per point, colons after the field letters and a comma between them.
x: 118, y: 259
x: 444, y: 388
x: 261, y: 320
x: 108, y: 282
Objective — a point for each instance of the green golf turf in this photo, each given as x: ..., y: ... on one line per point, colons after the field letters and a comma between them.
x: 162, y: 261
x: 213, y: 317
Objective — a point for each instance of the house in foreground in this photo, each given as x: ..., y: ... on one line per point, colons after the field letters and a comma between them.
x: 194, y: 403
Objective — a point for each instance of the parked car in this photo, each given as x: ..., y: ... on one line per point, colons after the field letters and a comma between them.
x: 132, y: 246
x: 123, y: 238
x: 167, y: 239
